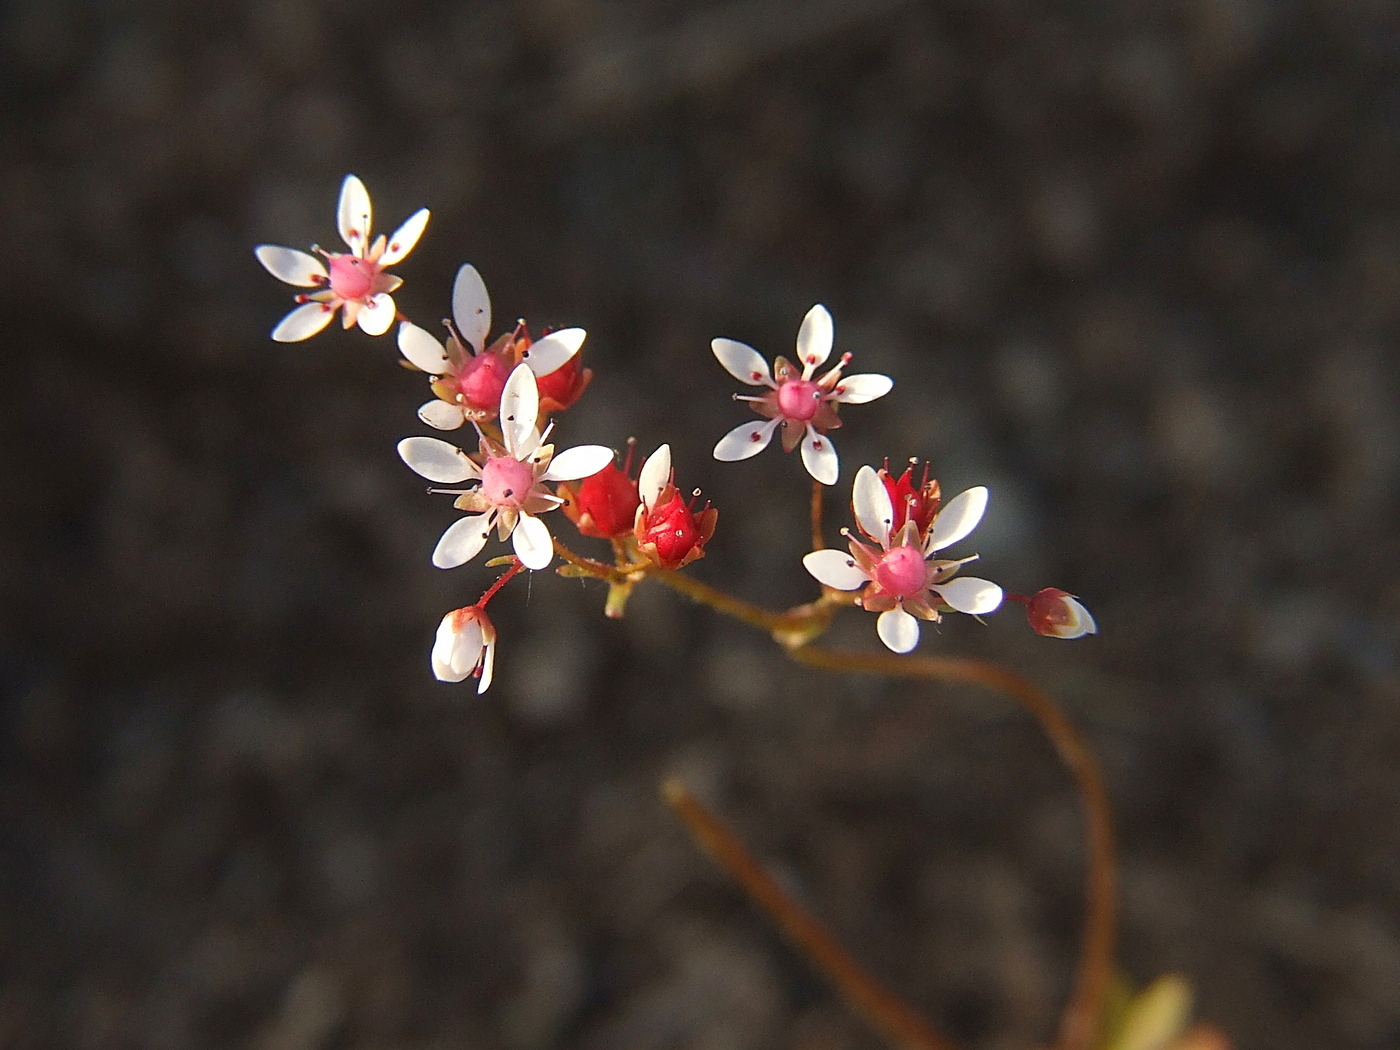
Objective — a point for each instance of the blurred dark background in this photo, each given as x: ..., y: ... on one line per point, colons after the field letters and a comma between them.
x: 1134, y: 265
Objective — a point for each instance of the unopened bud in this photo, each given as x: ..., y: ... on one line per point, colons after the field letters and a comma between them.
x: 603, y: 504
x: 1058, y: 614
x: 465, y: 646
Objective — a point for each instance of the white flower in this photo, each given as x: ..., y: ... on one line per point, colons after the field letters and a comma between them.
x: 465, y: 645
x: 511, y: 490
x: 805, y: 408
x: 354, y: 280
x: 468, y: 385
x: 901, y: 578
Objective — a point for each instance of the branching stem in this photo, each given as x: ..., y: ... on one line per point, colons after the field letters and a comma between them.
x: 795, y: 629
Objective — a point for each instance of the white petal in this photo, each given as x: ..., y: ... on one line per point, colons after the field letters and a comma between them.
x: 741, y: 361
x: 814, y: 339
x: 463, y: 540
x: 488, y: 667
x: 404, y: 238
x: 422, y: 349
x: 581, y: 461
x: 835, y: 569
x: 858, y: 389
x: 532, y: 543
x: 303, y: 322
x: 554, y: 350
x: 354, y: 214
x: 745, y: 440
x: 443, y: 646
x: 898, y: 630
x: 819, y: 457
x: 1084, y: 619
x: 958, y: 517
x: 520, y: 405
x: 871, y: 502
x: 466, y: 647
x: 471, y: 307
x: 656, y: 473
x: 968, y: 594
x: 440, y: 415
x: 377, y: 315
x: 291, y: 266
x: 437, y: 460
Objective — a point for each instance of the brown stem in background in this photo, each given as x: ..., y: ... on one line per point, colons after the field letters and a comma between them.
x: 818, y: 542
x: 1079, y: 1024
x: 886, y: 1013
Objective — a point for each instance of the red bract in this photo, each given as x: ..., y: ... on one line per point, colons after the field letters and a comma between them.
x: 669, y: 531
x: 604, y: 504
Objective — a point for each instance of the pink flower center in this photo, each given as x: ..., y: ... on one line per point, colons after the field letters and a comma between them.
x: 902, y: 571
x: 351, y: 276
x: 506, y: 482
x: 799, y: 399
x: 482, y: 381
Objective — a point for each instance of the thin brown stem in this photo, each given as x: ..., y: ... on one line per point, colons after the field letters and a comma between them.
x: 818, y: 489
x: 886, y: 1013
x: 1079, y: 1024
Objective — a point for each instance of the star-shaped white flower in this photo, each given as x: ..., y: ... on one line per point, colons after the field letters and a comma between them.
x: 468, y: 385
x: 465, y: 645
x: 511, y: 492
x: 354, y: 281
x: 902, y: 579
x: 805, y: 408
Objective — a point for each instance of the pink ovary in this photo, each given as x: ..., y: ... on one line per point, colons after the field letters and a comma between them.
x: 902, y: 572
x: 506, y: 482
x: 482, y: 380
x: 799, y: 399
x: 352, y: 277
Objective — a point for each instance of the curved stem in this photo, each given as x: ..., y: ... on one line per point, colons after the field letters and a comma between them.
x: 1079, y: 1024
x: 885, y: 1012
x: 818, y: 541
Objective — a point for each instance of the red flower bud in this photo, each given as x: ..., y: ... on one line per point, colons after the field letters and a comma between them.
x: 603, y: 504
x: 562, y: 387
x: 669, y: 531
x: 672, y: 532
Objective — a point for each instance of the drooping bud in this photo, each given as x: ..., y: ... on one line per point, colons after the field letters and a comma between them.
x: 603, y: 504
x: 465, y: 646
x: 909, y: 503
x: 1057, y: 614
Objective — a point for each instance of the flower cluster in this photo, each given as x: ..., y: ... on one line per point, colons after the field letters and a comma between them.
x: 512, y: 477
x: 510, y: 388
